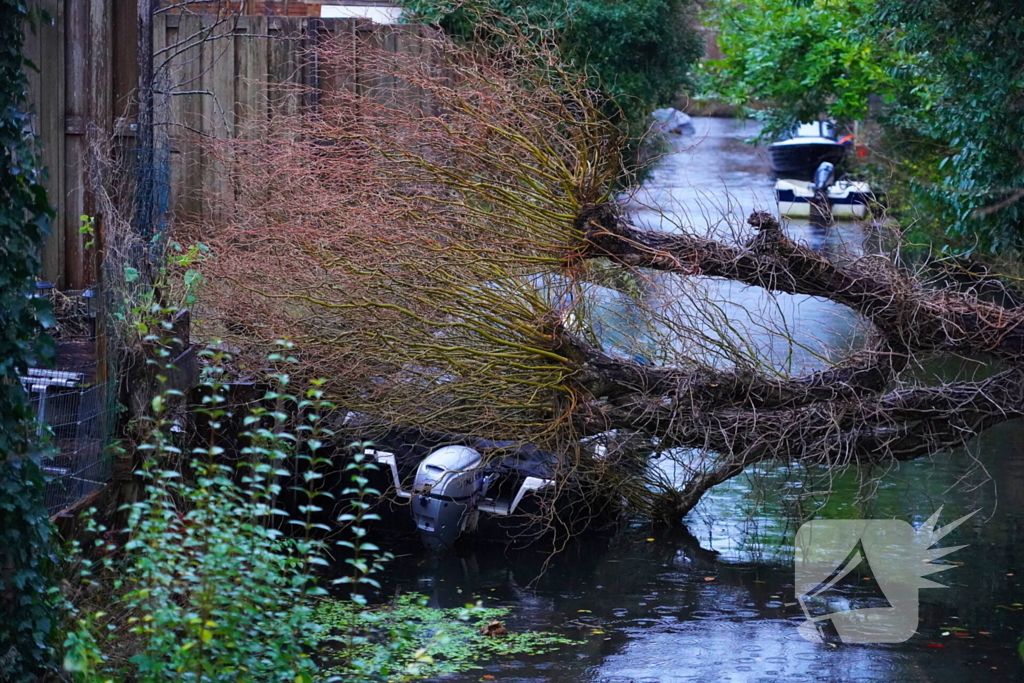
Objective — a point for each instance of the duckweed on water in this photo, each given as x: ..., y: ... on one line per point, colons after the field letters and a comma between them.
x: 406, y: 640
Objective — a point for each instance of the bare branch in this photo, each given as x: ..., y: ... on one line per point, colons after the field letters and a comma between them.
x: 908, y: 315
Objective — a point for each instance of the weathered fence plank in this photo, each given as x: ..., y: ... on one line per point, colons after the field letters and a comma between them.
x: 185, y: 84
x: 214, y: 77
x: 72, y: 132
x: 218, y: 106
x: 251, y: 49
x: 44, y: 46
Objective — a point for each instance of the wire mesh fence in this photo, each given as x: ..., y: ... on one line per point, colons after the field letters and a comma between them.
x: 73, y: 430
x: 74, y: 412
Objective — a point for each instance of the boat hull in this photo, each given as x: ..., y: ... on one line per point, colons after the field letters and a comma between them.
x: 847, y: 199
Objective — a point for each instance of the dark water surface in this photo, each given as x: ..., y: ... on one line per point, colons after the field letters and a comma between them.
x: 716, y: 603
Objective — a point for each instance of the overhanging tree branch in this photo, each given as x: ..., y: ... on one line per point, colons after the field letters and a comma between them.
x: 902, y: 425
x: 605, y: 376
x: 909, y: 316
x: 444, y: 268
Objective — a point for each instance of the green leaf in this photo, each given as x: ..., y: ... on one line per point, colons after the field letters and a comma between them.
x: 76, y: 661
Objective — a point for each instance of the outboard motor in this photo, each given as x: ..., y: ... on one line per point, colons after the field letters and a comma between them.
x: 821, y: 205
x: 448, y: 484
x: 824, y: 176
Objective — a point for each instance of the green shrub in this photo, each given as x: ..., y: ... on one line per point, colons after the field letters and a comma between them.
x: 207, y: 588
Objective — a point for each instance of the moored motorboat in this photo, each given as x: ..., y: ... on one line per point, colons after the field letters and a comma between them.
x: 810, y: 145
x: 808, y: 180
x: 454, y: 484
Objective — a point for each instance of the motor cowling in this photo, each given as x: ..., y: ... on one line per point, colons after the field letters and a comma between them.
x: 824, y: 175
x: 446, y: 489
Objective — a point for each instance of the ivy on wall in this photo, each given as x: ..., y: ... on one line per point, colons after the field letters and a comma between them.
x: 27, y: 592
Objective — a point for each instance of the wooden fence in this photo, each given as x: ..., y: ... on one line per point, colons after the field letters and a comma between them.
x: 215, y: 76
x: 72, y: 90
x: 210, y: 74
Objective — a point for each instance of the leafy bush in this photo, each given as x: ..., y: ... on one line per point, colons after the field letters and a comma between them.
x: 216, y: 594
x: 207, y: 589
x: 959, y: 115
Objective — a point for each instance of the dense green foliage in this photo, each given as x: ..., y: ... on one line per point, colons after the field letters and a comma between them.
x: 639, y: 52
x: 426, y: 642
x: 213, y: 593
x: 949, y: 79
x: 26, y: 556
x: 207, y: 587
x: 215, y: 581
x: 960, y: 112
x: 806, y: 59
x: 29, y: 598
x: 24, y: 224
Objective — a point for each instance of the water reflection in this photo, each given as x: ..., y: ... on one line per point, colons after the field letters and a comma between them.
x: 660, y: 607
x: 716, y: 603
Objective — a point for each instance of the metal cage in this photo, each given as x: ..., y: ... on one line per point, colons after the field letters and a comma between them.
x: 72, y: 428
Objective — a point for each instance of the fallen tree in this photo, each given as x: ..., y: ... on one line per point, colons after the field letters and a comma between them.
x: 448, y: 251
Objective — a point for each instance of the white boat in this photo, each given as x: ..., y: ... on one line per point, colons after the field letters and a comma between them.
x: 846, y: 198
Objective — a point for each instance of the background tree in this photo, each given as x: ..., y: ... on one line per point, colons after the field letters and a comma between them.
x: 638, y: 53
x: 947, y: 73
x: 465, y: 267
x: 802, y: 59
x: 960, y: 114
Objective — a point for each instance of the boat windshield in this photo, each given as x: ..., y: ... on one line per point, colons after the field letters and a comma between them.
x: 816, y: 129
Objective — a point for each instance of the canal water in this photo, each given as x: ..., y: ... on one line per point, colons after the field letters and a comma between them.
x: 716, y: 602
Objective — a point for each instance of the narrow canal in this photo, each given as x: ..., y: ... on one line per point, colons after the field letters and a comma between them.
x: 717, y: 603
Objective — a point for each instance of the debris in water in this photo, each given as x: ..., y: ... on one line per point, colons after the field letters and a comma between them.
x: 494, y: 628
